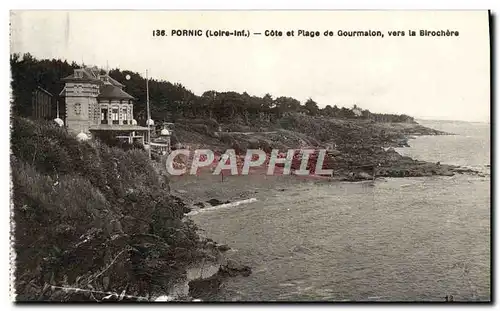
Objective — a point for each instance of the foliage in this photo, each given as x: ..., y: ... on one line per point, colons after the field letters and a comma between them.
x: 173, y: 102
x: 83, y: 204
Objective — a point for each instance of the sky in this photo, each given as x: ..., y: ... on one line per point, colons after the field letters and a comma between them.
x: 445, y: 78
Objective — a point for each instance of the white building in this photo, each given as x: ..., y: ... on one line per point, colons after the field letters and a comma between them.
x: 358, y: 112
x: 96, y: 103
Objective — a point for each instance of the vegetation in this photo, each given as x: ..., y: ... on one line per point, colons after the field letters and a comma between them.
x: 93, y: 217
x: 171, y: 102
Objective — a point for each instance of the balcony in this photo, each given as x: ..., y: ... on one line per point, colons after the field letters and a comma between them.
x: 104, y: 121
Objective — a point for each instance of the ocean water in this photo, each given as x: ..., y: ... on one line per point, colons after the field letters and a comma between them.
x: 408, y: 239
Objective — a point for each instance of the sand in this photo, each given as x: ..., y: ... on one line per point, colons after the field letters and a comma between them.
x: 206, y: 186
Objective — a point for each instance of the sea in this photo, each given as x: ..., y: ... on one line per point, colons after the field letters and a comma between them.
x: 394, y: 239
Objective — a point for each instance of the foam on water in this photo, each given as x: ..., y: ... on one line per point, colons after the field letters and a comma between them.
x: 222, y: 206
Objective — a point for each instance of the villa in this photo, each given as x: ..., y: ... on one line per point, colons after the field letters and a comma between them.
x: 96, y: 104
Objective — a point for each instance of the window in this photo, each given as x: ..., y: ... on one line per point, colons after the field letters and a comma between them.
x: 124, y: 115
x: 78, y: 108
x: 97, y: 114
x: 104, y: 116
x: 114, y: 116
x: 78, y: 89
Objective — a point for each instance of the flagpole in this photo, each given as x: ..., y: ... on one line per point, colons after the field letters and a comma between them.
x: 149, y: 116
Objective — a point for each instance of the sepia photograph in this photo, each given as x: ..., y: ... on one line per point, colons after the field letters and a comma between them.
x: 250, y: 156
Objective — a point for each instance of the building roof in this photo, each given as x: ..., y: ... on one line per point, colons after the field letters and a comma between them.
x: 109, y: 87
x: 109, y: 91
x: 87, y: 76
x: 114, y: 82
x: 44, y: 90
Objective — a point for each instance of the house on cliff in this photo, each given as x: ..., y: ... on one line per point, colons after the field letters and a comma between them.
x: 96, y: 104
x: 358, y: 112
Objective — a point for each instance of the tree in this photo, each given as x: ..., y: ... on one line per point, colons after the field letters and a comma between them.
x: 170, y: 101
x: 328, y: 111
x: 286, y: 104
x: 312, y: 107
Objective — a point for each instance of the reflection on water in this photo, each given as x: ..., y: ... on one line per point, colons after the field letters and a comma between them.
x: 395, y: 239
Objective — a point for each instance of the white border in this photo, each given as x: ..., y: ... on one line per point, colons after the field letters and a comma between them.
x: 190, y: 5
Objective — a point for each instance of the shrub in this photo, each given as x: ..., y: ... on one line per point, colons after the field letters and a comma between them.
x: 92, y: 216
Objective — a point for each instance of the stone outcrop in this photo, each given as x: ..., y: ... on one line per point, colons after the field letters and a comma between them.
x: 234, y: 268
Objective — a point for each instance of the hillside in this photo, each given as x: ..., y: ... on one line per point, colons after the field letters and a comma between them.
x: 101, y: 219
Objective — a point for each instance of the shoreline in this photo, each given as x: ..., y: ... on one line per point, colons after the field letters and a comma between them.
x: 206, y: 191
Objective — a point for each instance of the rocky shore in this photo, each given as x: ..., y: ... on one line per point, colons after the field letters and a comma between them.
x: 375, y: 162
x: 357, y: 151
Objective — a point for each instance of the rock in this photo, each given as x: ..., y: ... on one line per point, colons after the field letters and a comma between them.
x: 204, y: 287
x: 210, y: 244
x: 233, y: 268
x: 334, y: 152
x: 223, y: 247
x: 460, y: 170
x: 199, y: 204
x: 185, y: 209
x: 364, y: 175
x: 355, y: 176
x: 180, y: 203
x: 215, y: 202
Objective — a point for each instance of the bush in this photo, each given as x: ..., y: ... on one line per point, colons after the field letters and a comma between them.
x: 92, y: 216
x: 211, y: 124
x: 227, y: 138
x: 202, y: 129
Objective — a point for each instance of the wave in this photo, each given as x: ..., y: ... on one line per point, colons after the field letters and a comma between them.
x: 227, y: 205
